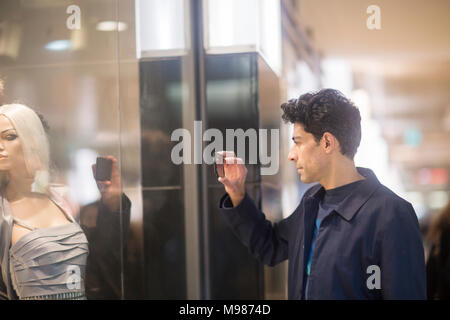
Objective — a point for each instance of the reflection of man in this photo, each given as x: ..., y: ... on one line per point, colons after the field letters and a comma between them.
x: 350, y: 237
x: 101, y: 222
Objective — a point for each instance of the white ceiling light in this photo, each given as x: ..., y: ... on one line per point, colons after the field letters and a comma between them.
x: 59, y: 45
x: 111, y: 26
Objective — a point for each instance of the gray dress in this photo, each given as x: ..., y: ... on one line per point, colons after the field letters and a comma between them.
x: 46, y: 263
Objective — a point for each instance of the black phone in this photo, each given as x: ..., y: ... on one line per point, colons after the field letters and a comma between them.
x: 218, y: 166
x: 103, y: 169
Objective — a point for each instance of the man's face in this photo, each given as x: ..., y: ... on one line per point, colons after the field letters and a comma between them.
x: 309, y: 157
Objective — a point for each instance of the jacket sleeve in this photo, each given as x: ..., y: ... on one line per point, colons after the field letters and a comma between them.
x: 403, y: 274
x: 266, y: 242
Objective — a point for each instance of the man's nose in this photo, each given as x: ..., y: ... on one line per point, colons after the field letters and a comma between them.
x: 292, y: 156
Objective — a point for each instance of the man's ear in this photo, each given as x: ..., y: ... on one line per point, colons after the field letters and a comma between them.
x: 329, y: 142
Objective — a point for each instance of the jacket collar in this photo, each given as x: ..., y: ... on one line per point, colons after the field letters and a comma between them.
x: 348, y: 208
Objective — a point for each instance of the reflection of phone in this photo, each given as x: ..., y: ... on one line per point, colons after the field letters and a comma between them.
x: 218, y: 166
x: 103, y: 169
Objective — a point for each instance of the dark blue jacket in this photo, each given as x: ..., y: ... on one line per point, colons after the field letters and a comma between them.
x: 372, y: 227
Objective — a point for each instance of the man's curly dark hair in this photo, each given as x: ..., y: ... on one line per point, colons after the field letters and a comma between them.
x: 327, y: 110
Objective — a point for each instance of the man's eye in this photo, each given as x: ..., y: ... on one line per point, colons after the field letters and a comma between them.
x: 11, y: 137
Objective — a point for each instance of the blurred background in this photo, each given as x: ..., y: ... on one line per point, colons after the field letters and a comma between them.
x: 119, y: 76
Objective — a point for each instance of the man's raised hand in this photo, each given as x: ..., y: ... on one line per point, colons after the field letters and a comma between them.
x: 235, y: 176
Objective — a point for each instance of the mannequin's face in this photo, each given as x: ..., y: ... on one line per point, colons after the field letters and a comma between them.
x: 11, y: 153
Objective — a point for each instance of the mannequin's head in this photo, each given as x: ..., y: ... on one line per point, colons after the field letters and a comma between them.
x: 25, y: 145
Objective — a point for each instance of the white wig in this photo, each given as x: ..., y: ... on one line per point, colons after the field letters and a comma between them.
x: 34, y: 142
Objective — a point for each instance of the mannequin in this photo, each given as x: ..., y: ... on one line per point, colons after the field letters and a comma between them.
x: 18, y: 175
x: 40, y: 243
x: 43, y: 250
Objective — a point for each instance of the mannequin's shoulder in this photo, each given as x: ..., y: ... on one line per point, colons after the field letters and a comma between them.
x: 59, y: 194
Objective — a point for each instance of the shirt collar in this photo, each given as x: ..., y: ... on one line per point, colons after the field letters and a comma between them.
x: 348, y: 208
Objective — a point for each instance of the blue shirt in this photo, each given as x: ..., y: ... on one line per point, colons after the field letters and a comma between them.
x: 371, y: 227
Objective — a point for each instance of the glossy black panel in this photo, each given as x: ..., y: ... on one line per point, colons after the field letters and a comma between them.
x: 232, y: 101
x: 160, y: 105
x: 164, y: 245
x: 235, y: 274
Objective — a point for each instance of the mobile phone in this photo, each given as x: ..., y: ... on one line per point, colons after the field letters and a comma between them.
x: 218, y: 166
x: 103, y: 169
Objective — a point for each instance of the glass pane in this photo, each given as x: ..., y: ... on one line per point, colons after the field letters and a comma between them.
x: 156, y: 261
x: 231, y: 93
x: 133, y: 265
x: 56, y: 59
x: 163, y: 210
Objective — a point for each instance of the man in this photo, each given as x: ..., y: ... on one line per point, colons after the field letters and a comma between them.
x: 350, y: 237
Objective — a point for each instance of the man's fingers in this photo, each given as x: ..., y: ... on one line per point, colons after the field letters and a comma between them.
x: 224, y: 181
x: 114, y: 160
x: 225, y: 154
x: 221, y: 155
x: 103, y: 185
x: 233, y: 160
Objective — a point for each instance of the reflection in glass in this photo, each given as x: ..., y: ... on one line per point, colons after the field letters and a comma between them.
x: 163, y: 201
x: 229, y: 258
x: 232, y: 103
x: 164, y: 244
x: 160, y: 104
x: 76, y: 87
x: 231, y: 93
x: 43, y: 249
